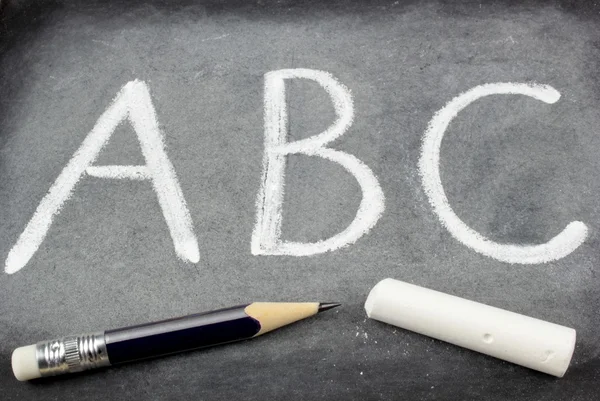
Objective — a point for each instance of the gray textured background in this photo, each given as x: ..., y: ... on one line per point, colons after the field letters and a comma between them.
x: 514, y: 169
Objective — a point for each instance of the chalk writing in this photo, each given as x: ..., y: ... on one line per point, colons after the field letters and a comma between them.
x: 429, y: 166
x: 266, y: 238
x: 133, y: 102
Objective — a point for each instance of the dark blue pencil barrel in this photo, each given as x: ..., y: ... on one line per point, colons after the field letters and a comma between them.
x: 179, y: 334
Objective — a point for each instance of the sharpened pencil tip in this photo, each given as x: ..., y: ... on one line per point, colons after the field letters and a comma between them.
x: 323, y: 306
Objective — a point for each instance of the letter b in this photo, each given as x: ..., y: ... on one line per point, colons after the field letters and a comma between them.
x: 266, y: 238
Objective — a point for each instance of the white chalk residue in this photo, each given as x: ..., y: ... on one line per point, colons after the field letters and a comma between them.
x: 429, y: 165
x: 267, y: 231
x: 133, y: 102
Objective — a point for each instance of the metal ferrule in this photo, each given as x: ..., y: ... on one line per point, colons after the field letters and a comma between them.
x: 72, y: 354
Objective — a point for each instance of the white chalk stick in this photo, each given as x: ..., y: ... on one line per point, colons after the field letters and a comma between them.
x: 24, y: 363
x: 516, y: 338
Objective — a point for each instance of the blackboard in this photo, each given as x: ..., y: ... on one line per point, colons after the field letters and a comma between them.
x: 514, y: 169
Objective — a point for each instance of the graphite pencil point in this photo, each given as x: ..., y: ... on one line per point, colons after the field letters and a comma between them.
x: 323, y: 306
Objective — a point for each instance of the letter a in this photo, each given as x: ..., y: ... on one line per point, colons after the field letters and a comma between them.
x: 266, y: 238
x: 133, y: 102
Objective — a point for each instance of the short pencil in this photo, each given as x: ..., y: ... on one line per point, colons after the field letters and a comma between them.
x: 87, y: 351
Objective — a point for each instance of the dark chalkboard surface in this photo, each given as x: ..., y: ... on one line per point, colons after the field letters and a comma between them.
x: 514, y: 169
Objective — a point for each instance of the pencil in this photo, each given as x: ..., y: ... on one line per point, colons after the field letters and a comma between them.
x: 88, y: 351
